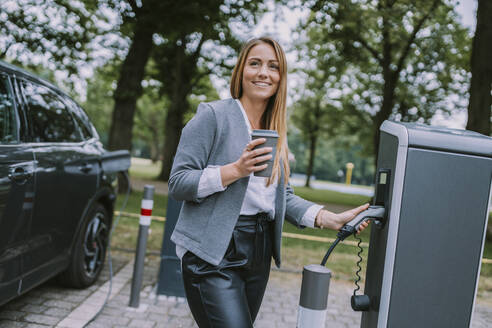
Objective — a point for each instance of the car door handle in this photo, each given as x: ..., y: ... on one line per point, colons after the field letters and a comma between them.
x: 20, y: 174
x: 86, y: 168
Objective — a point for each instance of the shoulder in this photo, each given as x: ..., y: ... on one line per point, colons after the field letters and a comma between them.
x: 219, y: 107
x: 219, y: 113
x: 207, y: 112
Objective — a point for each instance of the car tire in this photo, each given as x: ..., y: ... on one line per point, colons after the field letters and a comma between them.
x: 89, y: 252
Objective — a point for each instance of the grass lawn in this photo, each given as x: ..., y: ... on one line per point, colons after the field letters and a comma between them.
x: 296, y: 252
x: 144, y: 168
x: 330, y: 197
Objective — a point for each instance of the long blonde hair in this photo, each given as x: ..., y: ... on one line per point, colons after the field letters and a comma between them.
x: 275, y: 115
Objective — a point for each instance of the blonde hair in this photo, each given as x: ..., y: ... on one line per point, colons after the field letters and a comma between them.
x: 275, y: 115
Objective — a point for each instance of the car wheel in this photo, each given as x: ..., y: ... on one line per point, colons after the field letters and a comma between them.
x: 87, y: 259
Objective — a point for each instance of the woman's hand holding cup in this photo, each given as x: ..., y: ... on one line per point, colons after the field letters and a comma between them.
x: 247, y: 163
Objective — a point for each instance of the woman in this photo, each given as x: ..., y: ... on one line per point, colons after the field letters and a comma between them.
x: 231, y: 221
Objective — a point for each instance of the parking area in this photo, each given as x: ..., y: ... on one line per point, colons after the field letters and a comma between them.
x: 53, y: 306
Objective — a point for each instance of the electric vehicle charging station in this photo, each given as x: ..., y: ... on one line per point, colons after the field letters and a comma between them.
x: 429, y: 213
x: 425, y: 254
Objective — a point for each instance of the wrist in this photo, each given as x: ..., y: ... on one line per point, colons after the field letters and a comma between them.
x: 337, y: 222
x: 320, y: 220
x: 326, y: 219
x: 236, y: 170
x: 229, y: 173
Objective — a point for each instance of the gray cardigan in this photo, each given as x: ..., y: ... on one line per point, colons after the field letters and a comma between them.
x: 217, y: 135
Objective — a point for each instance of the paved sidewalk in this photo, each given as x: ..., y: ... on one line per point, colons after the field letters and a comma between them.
x: 50, y: 305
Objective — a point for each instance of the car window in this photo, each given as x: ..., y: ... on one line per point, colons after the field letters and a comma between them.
x: 81, y: 118
x: 49, y: 117
x: 8, y: 120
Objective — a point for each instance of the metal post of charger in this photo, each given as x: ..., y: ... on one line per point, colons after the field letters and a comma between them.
x: 314, y: 296
x: 143, y: 232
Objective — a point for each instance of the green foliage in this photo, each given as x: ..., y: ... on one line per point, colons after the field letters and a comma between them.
x: 396, y: 60
x: 148, y: 129
x: 99, y: 99
x: 185, y: 53
x: 203, y: 91
x: 53, y: 31
x: 332, y: 155
x: 149, y: 119
x: 322, y: 117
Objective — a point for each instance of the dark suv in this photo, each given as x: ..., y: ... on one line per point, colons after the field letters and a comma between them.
x: 56, y: 199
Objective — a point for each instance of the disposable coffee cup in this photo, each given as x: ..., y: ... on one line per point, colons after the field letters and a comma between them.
x: 271, y: 137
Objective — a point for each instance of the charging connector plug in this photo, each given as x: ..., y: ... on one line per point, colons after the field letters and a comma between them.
x: 372, y: 213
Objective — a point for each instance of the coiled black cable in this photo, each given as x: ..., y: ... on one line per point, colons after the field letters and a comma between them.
x: 359, y: 268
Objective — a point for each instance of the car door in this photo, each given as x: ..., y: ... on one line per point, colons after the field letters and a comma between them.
x: 16, y: 192
x: 66, y: 173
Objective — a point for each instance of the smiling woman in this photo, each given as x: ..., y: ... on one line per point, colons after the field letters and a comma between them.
x: 230, y: 224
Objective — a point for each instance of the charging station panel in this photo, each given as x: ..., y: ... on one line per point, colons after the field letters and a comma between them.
x: 170, y: 280
x: 424, y: 262
x: 379, y: 235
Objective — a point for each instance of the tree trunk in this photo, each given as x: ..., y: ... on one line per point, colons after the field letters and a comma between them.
x: 479, y: 106
x: 185, y: 66
x: 175, y: 113
x: 312, y: 151
x: 174, y: 125
x: 154, y: 148
x: 129, y: 87
x: 489, y: 230
x: 386, y: 108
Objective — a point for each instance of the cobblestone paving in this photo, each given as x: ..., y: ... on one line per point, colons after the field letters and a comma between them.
x: 47, y: 305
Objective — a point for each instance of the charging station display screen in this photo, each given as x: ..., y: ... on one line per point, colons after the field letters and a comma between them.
x: 382, y: 177
x: 382, y: 187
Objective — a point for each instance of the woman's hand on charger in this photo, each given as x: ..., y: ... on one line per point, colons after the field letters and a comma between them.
x: 327, y: 219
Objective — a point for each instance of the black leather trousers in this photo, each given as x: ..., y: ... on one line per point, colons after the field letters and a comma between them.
x: 229, y: 294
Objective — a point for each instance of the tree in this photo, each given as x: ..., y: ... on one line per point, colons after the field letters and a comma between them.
x: 150, y: 118
x: 310, y: 116
x: 399, y: 59
x: 179, y: 30
x: 480, y: 104
x: 333, y: 153
x: 58, y: 34
x: 99, y: 101
x: 317, y: 112
x: 140, y: 21
x: 195, y: 50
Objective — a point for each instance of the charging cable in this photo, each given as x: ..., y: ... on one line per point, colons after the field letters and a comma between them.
x: 110, y: 260
x: 359, y: 268
x: 332, y: 247
x: 343, y: 233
